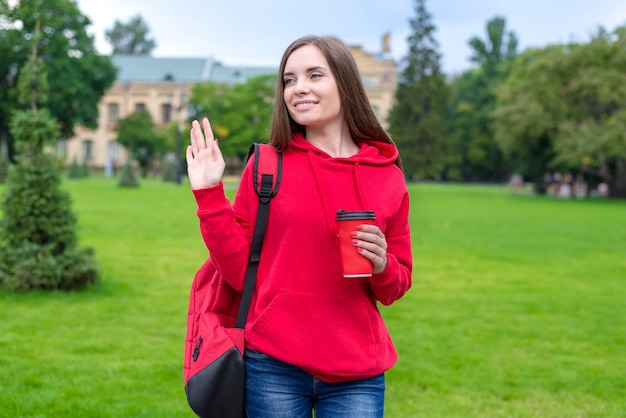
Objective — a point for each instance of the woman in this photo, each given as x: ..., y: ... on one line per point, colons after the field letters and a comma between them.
x: 314, y: 339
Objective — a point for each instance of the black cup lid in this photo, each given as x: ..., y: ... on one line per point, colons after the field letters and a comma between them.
x: 347, y: 215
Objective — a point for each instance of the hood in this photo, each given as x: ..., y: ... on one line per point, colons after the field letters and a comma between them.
x: 371, y: 154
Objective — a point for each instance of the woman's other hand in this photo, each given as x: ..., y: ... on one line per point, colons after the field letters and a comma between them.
x: 205, y: 163
x: 370, y: 241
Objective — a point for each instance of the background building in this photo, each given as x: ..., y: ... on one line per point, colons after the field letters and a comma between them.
x: 162, y: 86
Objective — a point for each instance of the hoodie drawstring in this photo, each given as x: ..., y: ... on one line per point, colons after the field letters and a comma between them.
x: 332, y: 230
x: 360, y: 187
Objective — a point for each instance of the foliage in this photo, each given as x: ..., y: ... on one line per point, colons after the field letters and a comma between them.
x: 477, y: 155
x: 130, y: 38
x: 85, y: 168
x: 128, y: 178
x: 35, y: 209
x: 32, y: 266
x: 78, y: 171
x: 38, y: 238
x: 501, y: 46
x: 242, y: 111
x: 137, y: 132
x: 4, y: 165
x: 33, y: 81
x: 169, y: 171
x: 168, y: 136
x: 76, y: 74
x: 564, y: 107
x: 32, y: 130
x: 75, y: 171
x: 416, y: 119
x: 38, y: 234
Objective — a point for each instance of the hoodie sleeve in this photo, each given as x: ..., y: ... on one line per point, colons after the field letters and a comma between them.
x: 393, y: 282
x: 225, y: 229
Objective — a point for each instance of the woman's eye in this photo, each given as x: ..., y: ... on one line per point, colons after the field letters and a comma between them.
x: 289, y: 81
x: 316, y: 75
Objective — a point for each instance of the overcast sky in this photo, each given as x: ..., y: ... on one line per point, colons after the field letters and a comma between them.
x: 256, y: 32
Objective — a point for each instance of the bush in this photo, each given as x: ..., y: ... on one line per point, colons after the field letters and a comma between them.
x: 38, y: 238
x: 36, y: 209
x: 85, y: 168
x: 128, y: 177
x: 170, y: 171
x: 32, y: 266
x: 78, y: 268
x: 29, y: 266
x: 75, y: 172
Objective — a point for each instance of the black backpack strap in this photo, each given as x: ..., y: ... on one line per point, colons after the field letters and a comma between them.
x: 266, y: 177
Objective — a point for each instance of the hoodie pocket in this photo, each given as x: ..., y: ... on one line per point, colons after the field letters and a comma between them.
x: 319, y: 333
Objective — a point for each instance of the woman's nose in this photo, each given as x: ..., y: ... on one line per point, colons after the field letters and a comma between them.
x: 302, y: 87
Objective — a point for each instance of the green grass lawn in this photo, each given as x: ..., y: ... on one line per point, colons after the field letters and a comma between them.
x: 518, y: 309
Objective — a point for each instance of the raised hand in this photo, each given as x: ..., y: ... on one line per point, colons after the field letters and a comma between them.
x: 205, y: 164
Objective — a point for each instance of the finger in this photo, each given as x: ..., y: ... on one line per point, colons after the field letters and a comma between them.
x: 208, y: 132
x: 189, y: 155
x: 371, y: 248
x: 379, y: 262
x: 195, y: 134
x: 371, y: 233
x: 372, y: 229
x: 217, y: 152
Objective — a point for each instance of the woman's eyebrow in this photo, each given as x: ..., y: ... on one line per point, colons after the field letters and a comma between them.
x: 308, y: 70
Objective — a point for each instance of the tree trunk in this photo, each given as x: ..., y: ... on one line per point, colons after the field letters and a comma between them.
x: 619, y: 189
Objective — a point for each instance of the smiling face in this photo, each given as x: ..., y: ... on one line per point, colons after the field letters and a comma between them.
x: 310, y: 90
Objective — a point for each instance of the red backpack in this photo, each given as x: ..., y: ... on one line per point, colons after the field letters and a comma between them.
x: 213, y: 368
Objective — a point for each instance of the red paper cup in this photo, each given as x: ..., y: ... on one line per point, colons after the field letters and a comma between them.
x: 354, y: 264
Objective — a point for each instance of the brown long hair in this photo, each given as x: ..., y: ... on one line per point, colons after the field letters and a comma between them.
x: 359, y: 115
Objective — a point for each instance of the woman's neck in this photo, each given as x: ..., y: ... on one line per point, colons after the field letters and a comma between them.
x: 336, y: 142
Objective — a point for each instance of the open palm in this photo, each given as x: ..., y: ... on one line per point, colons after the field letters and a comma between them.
x: 205, y: 163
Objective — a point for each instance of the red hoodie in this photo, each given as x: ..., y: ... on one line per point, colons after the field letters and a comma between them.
x: 304, y: 312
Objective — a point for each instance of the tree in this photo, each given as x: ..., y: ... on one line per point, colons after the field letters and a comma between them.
x: 4, y: 165
x: 416, y: 120
x: 127, y: 176
x: 500, y: 47
x: 564, y: 107
x: 130, y: 38
x: 473, y: 100
x: 137, y: 132
x: 77, y: 75
x: 38, y: 235
x: 244, y: 111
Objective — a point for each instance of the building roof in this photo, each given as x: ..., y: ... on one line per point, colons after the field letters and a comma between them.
x: 194, y: 70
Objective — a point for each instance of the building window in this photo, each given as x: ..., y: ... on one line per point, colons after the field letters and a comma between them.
x: 166, y: 112
x: 60, y: 149
x: 87, y: 150
x: 140, y: 106
x: 114, y: 112
x: 115, y: 150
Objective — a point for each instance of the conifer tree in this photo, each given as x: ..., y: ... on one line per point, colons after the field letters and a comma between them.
x: 472, y: 102
x: 416, y: 121
x: 75, y: 172
x: 38, y: 235
x: 128, y: 177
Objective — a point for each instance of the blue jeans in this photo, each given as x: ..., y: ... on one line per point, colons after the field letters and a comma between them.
x: 279, y: 390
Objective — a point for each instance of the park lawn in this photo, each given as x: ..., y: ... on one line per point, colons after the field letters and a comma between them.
x: 517, y: 309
